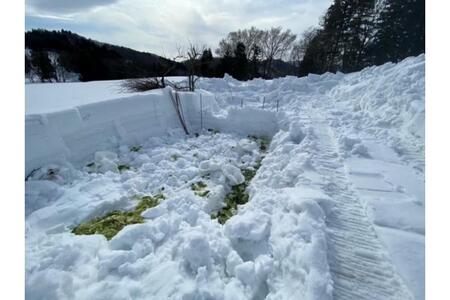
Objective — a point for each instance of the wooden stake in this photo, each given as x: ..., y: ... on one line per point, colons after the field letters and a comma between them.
x: 201, y: 112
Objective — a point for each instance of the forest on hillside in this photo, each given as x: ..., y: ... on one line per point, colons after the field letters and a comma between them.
x: 53, y: 53
x: 351, y: 35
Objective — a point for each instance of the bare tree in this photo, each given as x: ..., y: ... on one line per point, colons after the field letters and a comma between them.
x: 158, y: 82
x: 193, y: 54
x: 299, y: 47
x: 141, y: 84
x: 276, y: 43
x: 271, y: 44
x: 296, y: 54
x: 190, y: 57
x: 172, y: 65
x: 60, y: 72
x: 251, y: 38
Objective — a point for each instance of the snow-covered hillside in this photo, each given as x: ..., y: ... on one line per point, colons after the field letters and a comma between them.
x: 60, y: 73
x: 331, y: 169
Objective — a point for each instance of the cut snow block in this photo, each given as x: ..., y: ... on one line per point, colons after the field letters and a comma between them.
x: 75, y: 134
x: 43, y: 144
x: 245, y: 121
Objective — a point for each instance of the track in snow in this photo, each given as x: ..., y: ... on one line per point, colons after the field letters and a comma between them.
x: 359, y: 263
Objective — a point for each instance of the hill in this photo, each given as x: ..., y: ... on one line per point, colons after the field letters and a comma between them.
x: 63, y: 55
x: 66, y: 56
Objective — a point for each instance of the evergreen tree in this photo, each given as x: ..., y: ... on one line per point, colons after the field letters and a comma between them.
x: 42, y: 65
x: 358, y: 24
x: 330, y: 41
x: 205, y: 61
x: 324, y: 51
x: 356, y: 34
x: 99, y: 61
x: 400, y: 30
x: 240, y: 62
x: 27, y: 65
x: 316, y: 57
x: 226, y: 63
x: 92, y: 68
x: 254, y: 61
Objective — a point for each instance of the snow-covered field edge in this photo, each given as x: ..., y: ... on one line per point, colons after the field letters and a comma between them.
x: 75, y: 134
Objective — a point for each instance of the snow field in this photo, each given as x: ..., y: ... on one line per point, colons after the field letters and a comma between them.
x: 335, y: 209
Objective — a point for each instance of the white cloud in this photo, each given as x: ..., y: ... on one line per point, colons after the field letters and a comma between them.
x: 63, y: 6
x: 159, y: 26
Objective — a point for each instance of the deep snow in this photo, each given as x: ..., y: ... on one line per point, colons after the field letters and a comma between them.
x: 51, y: 97
x: 43, y: 98
x: 336, y: 209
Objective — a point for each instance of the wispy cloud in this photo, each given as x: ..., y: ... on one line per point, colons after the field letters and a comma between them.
x: 58, y: 7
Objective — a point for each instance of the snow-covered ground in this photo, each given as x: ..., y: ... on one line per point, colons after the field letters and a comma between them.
x: 335, y: 210
x: 53, y: 97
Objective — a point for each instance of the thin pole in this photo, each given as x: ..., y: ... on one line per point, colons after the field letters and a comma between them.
x: 278, y: 103
x: 242, y: 102
x: 264, y: 101
x: 177, y: 104
x: 231, y: 92
x: 201, y: 112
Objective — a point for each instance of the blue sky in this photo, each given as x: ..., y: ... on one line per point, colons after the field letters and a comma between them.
x: 161, y: 26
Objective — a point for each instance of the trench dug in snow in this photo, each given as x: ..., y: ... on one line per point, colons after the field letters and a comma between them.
x: 215, y: 167
x: 213, y: 216
x: 221, y: 182
x: 200, y: 216
x: 204, y: 178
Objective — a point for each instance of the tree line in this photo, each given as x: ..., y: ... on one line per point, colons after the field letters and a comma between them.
x: 90, y: 59
x: 254, y: 52
x: 351, y: 35
x: 356, y: 34
x: 244, y: 54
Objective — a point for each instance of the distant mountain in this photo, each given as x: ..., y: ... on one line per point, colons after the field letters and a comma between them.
x: 66, y: 56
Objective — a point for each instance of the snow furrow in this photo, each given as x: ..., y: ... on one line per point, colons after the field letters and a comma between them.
x: 359, y: 265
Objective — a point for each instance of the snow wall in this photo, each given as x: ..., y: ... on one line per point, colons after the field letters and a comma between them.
x: 75, y: 134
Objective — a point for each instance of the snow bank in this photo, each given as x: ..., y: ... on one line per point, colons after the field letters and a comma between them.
x: 75, y: 134
x: 393, y: 97
x: 41, y: 98
x: 377, y: 120
x: 388, y: 101
x: 52, y: 97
